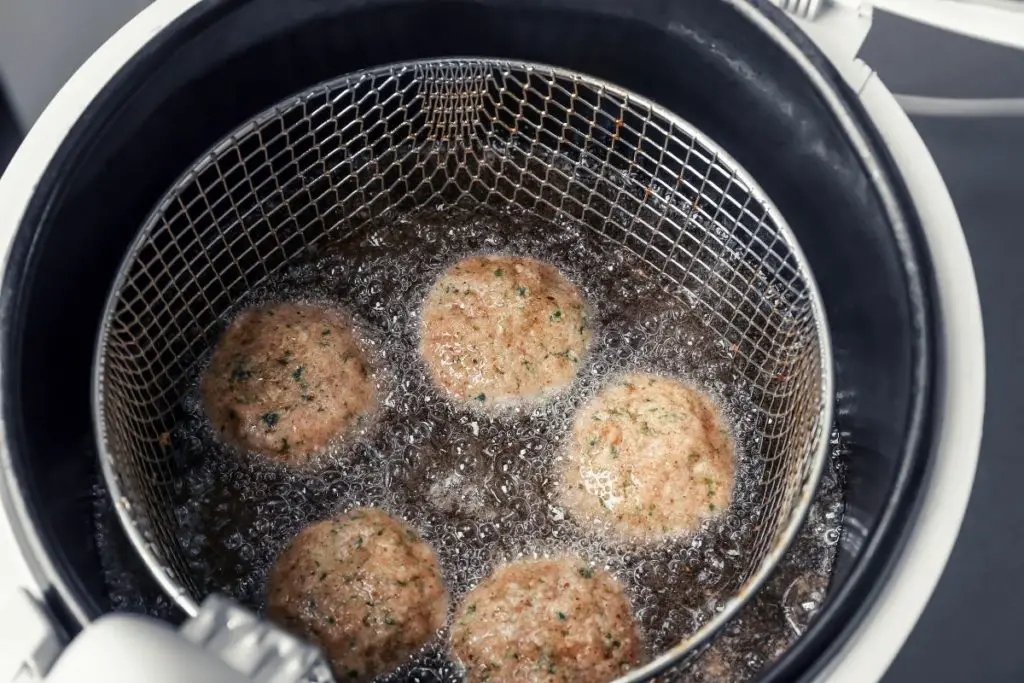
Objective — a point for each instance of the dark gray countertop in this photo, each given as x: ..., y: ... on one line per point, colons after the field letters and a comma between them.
x: 971, y: 629
x: 9, y: 136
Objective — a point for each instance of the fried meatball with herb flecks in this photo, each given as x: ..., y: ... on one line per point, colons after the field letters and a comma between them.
x: 649, y: 457
x: 543, y: 621
x: 286, y: 380
x: 503, y: 330
x: 363, y: 587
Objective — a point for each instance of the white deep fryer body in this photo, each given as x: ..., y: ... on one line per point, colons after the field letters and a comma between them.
x: 119, y: 647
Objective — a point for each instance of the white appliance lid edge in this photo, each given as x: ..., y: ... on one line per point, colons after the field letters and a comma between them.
x: 960, y: 408
x: 18, y: 184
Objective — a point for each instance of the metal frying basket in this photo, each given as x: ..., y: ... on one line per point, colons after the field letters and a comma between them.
x: 560, y: 144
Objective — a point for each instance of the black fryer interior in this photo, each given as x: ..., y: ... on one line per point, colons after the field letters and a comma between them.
x: 227, y: 60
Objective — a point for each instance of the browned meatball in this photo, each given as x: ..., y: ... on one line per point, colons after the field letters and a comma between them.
x: 546, y: 620
x: 363, y: 587
x: 287, y: 379
x: 497, y: 330
x: 648, y: 458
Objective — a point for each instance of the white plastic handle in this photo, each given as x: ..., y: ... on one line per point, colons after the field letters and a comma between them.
x: 953, y: 107
x: 132, y: 648
x: 28, y: 643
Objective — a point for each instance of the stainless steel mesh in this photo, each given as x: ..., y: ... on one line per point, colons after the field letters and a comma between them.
x: 320, y: 164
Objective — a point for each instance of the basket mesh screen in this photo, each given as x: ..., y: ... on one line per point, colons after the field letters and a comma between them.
x: 319, y: 165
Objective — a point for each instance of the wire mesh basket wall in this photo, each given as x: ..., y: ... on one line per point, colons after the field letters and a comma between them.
x: 565, y: 146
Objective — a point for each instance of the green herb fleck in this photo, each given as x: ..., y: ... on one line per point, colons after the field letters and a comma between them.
x: 359, y: 542
x: 561, y: 616
x: 481, y: 397
x: 557, y: 315
x: 240, y: 373
x: 390, y: 620
x: 297, y: 373
x: 586, y: 572
x: 471, y: 609
x: 270, y: 419
x: 331, y: 620
x: 522, y: 291
x: 325, y: 332
x: 499, y: 272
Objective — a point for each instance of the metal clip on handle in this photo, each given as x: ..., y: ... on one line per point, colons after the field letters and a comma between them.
x: 252, y: 646
x: 223, y: 643
x: 993, y: 21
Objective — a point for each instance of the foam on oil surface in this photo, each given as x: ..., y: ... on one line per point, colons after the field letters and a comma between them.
x: 481, y: 489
